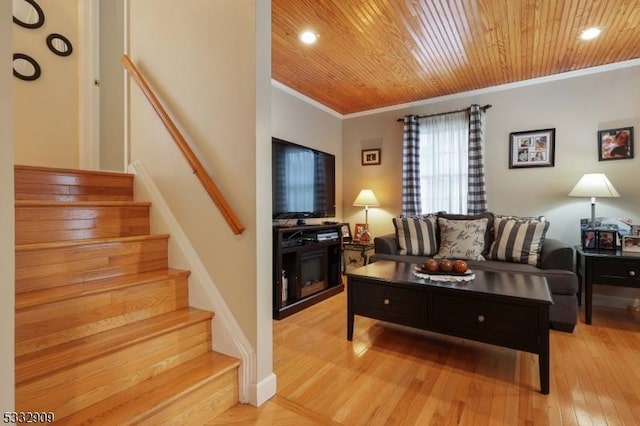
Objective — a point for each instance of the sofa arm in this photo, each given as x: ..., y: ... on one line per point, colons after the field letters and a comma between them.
x: 386, y: 244
x: 557, y: 255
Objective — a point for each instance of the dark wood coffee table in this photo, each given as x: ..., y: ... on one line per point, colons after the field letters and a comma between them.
x: 504, y: 309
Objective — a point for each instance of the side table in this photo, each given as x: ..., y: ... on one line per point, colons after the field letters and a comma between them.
x: 605, y: 267
x: 362, y: 247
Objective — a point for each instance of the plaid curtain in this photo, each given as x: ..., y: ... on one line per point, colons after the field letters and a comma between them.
x: 477, y: 193
x: 411, y: 167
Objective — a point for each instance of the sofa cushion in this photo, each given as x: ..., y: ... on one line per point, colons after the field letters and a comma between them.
x: 488, y: 235
x: 416, y: 236
x: 461, y: 239
x: 518, y: 241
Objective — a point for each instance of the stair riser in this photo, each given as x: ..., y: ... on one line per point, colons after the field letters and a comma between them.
x: 33, y: 183
x: 55, y: 323
x: 64, y: 223
x: 40, y: 269
x: 199, y: 406
x: 102, y: 377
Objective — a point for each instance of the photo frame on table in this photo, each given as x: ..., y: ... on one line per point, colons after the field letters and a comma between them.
x: 607, y: 240
x: 631, y: 244
x: 345, y: 233
x: 532, y: 148
x: 370, y: 157
x: 360, y: 233
x: 589, y: 238
x: 615, y: 144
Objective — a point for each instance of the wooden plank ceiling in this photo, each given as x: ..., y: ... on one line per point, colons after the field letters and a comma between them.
x: 377, y: 53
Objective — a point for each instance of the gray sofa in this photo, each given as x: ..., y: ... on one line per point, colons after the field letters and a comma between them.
x: 556, y: 264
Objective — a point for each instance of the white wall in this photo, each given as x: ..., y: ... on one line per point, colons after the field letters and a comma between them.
x: 202, y: 60
x: 296, y: 120
x: 7, y: 253
x: 46, y: 110
x: 576, y: 107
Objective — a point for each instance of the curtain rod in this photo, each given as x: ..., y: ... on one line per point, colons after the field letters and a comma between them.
x: 483, y: 108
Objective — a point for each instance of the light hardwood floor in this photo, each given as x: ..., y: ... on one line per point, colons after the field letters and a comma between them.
x: 396, y: 375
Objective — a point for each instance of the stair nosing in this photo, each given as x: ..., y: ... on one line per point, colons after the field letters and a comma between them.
x: 46, y: 169
x: 92, y: 241
x: 54, y: 203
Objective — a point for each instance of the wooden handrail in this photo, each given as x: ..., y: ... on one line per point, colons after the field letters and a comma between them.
x: 192, y: 159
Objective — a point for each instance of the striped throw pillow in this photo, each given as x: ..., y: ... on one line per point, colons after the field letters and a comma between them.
x: 518, y: 241
x: 416, y: 236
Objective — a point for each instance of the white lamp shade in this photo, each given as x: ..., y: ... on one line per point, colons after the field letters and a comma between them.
x: 594, y: 185
x: 366, y: 198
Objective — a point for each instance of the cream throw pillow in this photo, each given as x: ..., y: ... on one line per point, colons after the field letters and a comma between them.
x: 461, y: 239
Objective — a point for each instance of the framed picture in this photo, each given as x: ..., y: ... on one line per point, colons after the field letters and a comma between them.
x: 607, y: 240
x: 345, y: 233
x: 635, y: 231
x: 615, y: 144
x: 370, y: 157
x: 588, y: 238
x: 533, y: 148
x: 631, y: 244
x: 360, y: 232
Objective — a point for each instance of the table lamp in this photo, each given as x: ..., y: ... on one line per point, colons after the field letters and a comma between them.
x: 594, y: 185
x: 366, y: 198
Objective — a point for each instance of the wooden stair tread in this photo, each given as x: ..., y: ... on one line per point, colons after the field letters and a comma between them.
x: 93, y: 242
x: 61, y: 170
x: 134, y: 404
x: 55, y: 294
x: 69, y: 354
x: 81, y: 204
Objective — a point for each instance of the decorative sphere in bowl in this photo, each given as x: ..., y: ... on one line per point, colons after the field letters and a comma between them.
x: 460, y: 266
x: 445, y: 265
x: 430, y: 265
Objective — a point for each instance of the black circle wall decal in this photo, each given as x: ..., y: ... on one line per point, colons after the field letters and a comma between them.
x: 25, y: 67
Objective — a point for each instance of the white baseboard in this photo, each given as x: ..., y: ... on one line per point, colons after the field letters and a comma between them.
x: 615, y: 302
x: 263, y: 391
x: 203, y: 293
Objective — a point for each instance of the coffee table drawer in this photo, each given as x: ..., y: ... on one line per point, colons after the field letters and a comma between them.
x: 389, y: 303
x: 504, y: 324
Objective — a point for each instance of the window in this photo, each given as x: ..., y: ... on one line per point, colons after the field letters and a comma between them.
x: 444, y: 170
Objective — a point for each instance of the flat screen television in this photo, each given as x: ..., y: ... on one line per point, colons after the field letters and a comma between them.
x: 303, y: 182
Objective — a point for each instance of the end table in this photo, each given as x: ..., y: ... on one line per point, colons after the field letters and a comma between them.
x: 362, y: 247
x: 605, y: 267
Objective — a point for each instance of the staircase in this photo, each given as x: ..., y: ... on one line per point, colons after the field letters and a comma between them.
x: 104, y: 333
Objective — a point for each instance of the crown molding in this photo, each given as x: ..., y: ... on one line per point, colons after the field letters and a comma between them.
x: 524, y: 83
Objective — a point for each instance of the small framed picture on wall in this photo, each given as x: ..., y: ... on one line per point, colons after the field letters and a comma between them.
x: 615, y: 144
x: 370, y: 157
x: 532, y: 148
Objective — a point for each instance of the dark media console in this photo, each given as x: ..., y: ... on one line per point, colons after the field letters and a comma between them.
x: 306, y: 266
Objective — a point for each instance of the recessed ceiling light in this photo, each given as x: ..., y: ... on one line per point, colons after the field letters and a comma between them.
x: 308, y: 37
x: 590, y: 33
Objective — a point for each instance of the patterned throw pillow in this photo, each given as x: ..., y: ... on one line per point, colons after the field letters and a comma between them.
x: 416, y: 236
x: 488, y: 234
x: 518, y: 241
x: 461, y: 239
